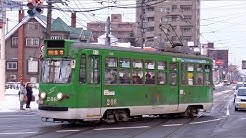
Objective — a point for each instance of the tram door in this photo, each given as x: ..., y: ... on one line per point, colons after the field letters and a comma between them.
x: 91, y: 89
x: 173, y: 82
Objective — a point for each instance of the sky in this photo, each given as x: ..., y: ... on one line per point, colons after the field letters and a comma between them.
x: 222, y: 21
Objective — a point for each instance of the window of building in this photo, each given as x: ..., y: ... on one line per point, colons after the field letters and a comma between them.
x: 185, y: 28
x: 174, y: 18
x: 174, y: 28
x: 185, y: 8
x: 166, y: 19
x: 174, y: 7
x: 186, y: 18
x: 150, y: 8
x: 167, y: 9
x: 33, y: 25
x: 186, y: 38
x: 174, y: 38
x: 11, y: 65
x: 32, y: 42
x: 150, y: 29
x: 14, y: 41
x: 150, y: 19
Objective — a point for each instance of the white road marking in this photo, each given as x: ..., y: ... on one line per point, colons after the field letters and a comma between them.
x: 227, y: 110
x: 173, y: 125
x: 17, y: 133
x: 76, y: 130
x: 118, y: 128
x: 205, y: 121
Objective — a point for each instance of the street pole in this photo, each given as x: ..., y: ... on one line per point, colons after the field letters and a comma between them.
x: 48, y: 27
x: 141, y: 24
x: 2, y: 58
x: 107, y: 39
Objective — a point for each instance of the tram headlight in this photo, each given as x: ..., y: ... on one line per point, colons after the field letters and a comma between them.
x: 43, y: 95
x: 59, y: 96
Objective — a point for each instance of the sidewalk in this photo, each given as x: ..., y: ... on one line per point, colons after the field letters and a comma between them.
x: 11, y: 102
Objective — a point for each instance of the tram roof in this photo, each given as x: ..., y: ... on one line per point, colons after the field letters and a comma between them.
x: 131, y: 49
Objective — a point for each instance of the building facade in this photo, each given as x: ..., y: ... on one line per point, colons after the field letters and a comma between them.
x: 24, y: 41
x: 177, y: 21
x: 121, y: 30
x: 220, y: 57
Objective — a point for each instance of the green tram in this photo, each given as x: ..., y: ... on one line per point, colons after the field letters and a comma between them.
x: 86, y: 82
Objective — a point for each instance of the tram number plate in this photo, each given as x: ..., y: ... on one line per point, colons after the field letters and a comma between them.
x: 40, y: 102
x: 243, y: 105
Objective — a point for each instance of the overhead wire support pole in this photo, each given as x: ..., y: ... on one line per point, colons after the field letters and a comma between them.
x: 49, y: 15
x: 2, y: 57
x: 107, y: 31
x: 141, y: 24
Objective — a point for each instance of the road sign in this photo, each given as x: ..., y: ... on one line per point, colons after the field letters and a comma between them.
x: 41, y: 48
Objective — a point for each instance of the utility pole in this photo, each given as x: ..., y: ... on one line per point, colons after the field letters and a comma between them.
x: 107, y: 39
x: 2, y: 42
x: 48, y: 27
x: 141, y: 24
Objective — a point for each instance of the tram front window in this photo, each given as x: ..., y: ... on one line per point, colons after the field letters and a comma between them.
x: 56, y: 71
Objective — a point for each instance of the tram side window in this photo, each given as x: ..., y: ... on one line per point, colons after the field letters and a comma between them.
x: 208, y: 75
x: 150, y: 72
x: 173, y: 78
x: 199, y: 74
x: 125, y: 76
x: 111, y: 76
x: 125, y: 71
x: 137, y: 73
x: 82, y: 74
x: 162, y: 74
x: 190, y: 74
x: 94, y: 70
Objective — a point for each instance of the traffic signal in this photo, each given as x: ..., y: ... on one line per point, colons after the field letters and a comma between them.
x: 31, y: 8
x: 34, y: 7
x: 39, y: 5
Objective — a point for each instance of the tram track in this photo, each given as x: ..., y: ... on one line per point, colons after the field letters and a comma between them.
x: 221, y: 101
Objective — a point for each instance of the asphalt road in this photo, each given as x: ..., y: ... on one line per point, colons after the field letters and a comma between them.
x: 221, y: 122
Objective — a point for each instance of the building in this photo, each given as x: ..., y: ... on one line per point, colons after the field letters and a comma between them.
x: 164, y: 21
x: 121, y: 30
x: 220, y: 57
x: 23, y: 43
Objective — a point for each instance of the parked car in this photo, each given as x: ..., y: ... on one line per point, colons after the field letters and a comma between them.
x: 226, y: 83
x: 240, y: 98
x: 239, y: 84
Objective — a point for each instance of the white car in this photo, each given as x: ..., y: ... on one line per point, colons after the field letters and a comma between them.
x: 239, y: 84
x: 240, y: 98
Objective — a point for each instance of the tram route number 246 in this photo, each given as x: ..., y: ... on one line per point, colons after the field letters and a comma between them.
x: 111, y: 102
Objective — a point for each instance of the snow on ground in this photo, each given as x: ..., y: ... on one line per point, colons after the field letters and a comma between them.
x: 11, y: 103
x: 220, y: 84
